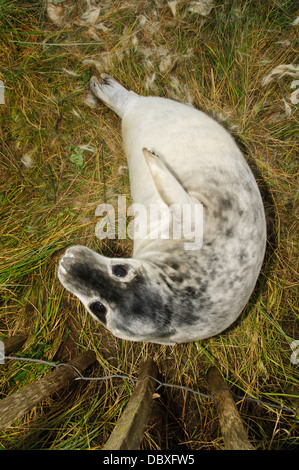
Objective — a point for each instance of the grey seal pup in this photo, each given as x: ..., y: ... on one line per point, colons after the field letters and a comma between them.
x: 169, y: 292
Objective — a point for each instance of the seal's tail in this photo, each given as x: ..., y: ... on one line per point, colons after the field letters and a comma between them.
x: 111, y: 93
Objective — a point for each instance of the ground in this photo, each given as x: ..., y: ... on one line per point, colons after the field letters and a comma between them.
x: 61, y: 156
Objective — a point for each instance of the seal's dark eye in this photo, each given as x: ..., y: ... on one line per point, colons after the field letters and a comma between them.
x: 99, y: 310
x: 119, y: 270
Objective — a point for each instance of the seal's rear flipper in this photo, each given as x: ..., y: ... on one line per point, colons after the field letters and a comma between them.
x: 111, y: 93
x: 168, y: 187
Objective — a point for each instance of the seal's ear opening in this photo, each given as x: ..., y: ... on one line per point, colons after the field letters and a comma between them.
x: 99, y: 310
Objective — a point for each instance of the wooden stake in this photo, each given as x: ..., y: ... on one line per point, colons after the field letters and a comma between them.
x: 15, y: 406
x: 233, y: 431
x: 129, y: 430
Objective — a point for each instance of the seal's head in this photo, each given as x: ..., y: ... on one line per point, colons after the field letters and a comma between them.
x: 125, y: 295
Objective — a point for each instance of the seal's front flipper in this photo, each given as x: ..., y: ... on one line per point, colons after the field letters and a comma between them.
x: 187, y: 213
x: 111, y: 93
x: 168, y: 187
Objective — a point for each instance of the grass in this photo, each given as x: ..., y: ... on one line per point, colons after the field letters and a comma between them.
x: 217, y: 63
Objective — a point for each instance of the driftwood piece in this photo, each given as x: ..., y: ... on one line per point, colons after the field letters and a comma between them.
x: 129, y: 430
x: 233, y: 431
x: 13, y: 343
x: 16, y: 405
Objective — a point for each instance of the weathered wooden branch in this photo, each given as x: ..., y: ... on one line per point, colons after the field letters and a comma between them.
x: 233, y: 431
x: 129, y: 430
x: 16, y: 405
x: 13, y: 343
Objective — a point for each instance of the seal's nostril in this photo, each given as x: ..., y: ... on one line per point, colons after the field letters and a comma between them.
x: 61, y: 269
x: 119, y: 270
